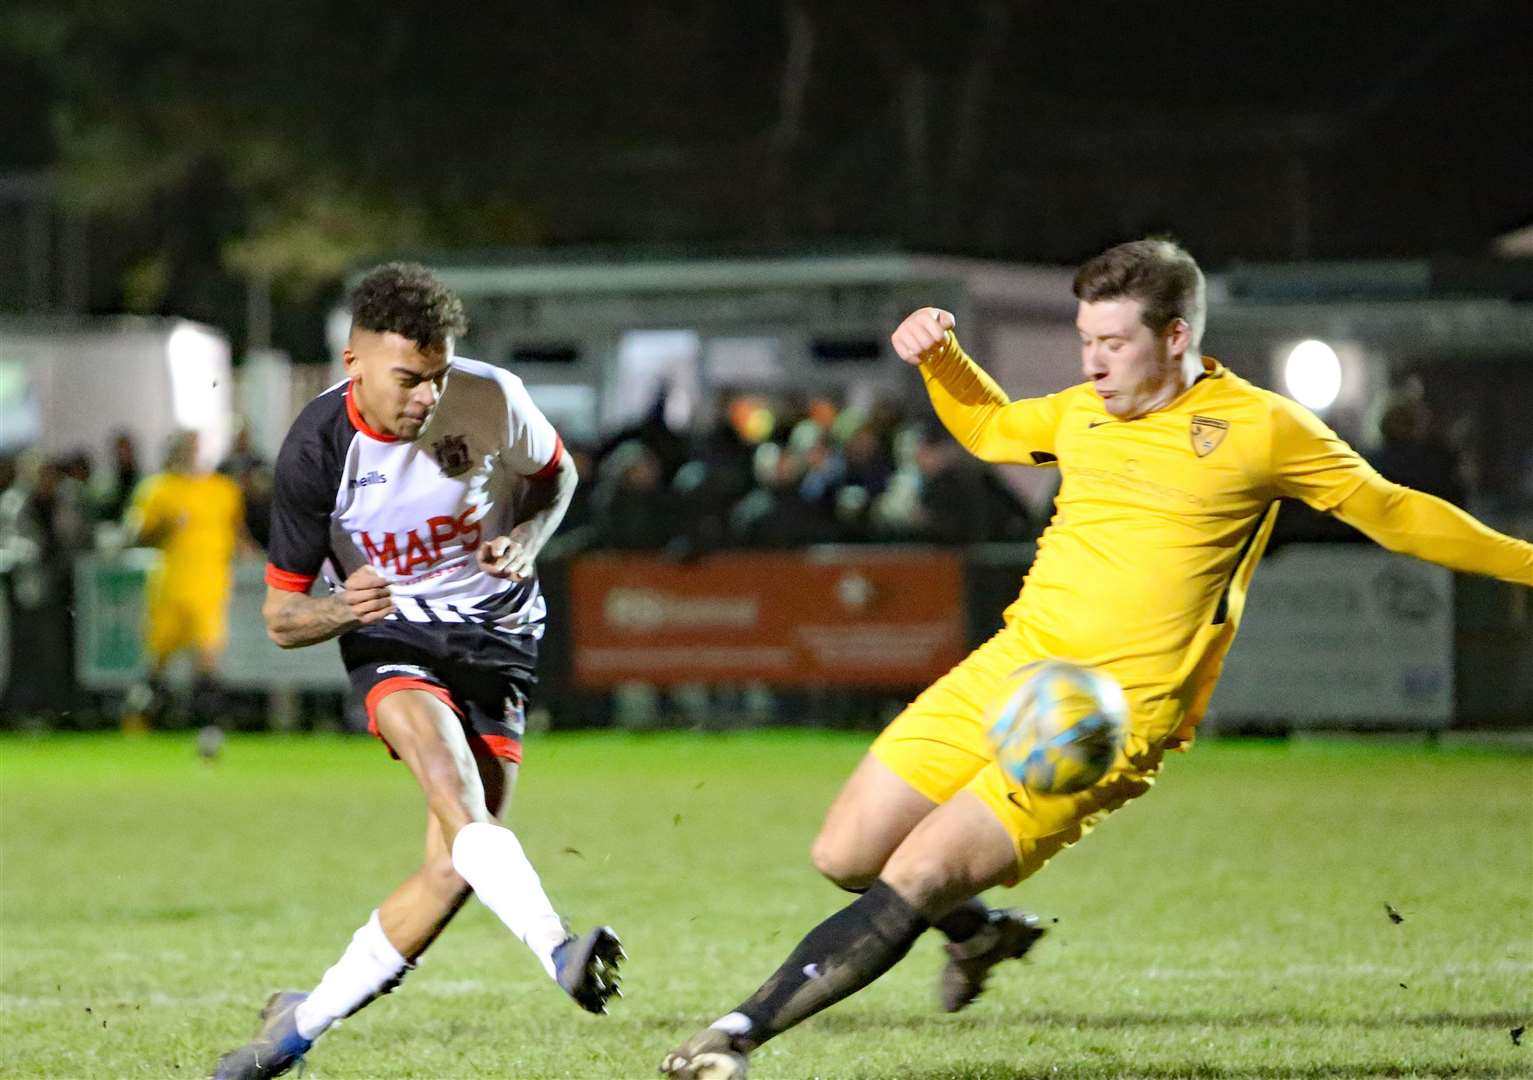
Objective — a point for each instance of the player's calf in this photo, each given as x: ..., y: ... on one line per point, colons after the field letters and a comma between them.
x: 847, y: 869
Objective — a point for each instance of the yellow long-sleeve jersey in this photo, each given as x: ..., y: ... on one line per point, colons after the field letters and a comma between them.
x: 1160, y: 520
x: 194, y: 519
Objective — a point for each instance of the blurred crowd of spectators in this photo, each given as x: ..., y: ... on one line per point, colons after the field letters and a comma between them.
x: 53, y: 508
x: 787, y: 473
x: 776, y: 473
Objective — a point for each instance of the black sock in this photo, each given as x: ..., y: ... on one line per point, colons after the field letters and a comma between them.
x: 965, y: 920
x: 839, y: 957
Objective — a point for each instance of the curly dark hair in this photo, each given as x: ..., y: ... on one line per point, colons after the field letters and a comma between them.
x: 406, y: 299
x: 1157, y: 272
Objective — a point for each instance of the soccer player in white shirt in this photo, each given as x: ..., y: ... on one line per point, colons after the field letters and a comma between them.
x: 422, y: 489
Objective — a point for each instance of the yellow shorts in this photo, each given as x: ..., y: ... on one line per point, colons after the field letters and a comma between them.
x: 176, y: 620
x: 939, y: 746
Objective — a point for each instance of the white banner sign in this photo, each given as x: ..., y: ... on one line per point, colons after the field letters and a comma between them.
x: 1342, y: 632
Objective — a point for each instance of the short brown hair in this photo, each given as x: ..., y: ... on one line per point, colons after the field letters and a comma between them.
x: 406, y: 299
x: 1158, y: 273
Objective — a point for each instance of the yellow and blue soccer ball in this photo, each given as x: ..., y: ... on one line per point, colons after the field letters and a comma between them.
x: 1057, y: 727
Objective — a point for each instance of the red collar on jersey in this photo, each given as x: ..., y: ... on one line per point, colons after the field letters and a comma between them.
x: 354, y: 414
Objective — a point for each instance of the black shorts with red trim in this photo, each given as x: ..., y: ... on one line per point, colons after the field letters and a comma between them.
x: 482, y: 674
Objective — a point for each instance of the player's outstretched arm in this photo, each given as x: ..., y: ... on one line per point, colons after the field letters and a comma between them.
x: 512, y: 556
x: 1415, y: 523
x: 295, y: 619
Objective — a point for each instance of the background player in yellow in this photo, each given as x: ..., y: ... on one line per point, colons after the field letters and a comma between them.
x: 1170, y: 471
x: 195, y: 517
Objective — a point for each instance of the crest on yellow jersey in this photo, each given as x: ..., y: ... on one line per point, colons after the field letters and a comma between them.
x: 1207, y: 434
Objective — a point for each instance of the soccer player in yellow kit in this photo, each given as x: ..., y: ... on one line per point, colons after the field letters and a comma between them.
x: 196, y: 520
x: 1170, y: 471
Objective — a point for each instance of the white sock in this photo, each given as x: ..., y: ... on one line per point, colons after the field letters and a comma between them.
x: 491, y: 860
x: 370, y: 966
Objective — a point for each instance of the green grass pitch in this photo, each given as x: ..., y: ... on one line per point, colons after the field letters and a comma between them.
x: 1230, y: 924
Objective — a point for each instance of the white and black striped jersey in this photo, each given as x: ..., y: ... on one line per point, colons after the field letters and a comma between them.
x: 348, y: 496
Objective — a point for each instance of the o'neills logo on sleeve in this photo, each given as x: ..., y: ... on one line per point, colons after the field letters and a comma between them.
x: 427, y: 543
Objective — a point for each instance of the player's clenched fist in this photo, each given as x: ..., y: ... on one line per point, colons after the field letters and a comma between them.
x: 367, y: 595
x: 921, y: 331
x: 507, y: 556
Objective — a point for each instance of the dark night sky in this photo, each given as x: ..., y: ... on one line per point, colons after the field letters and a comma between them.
x: 1029, y: 131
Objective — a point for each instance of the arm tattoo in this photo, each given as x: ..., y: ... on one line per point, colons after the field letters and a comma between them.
x: 295, y: 619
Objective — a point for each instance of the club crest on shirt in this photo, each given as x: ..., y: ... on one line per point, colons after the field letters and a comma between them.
x: 1207, y: 434
x: 451, y: 453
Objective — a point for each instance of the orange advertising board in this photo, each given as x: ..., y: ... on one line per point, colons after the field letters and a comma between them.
x: 816, y: 617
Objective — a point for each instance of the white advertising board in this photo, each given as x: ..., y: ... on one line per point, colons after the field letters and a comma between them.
x: 1342, y: 632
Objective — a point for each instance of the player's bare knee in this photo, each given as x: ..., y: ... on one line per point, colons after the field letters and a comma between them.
x: 840, y: 865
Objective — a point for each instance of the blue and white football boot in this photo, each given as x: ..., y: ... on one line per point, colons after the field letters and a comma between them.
x: 276, y: 1048
x: 586, y: 968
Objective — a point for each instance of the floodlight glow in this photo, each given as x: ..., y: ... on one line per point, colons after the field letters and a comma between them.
x: 198, y: 361
x: 194, y: 356
x: 1313, y: 374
